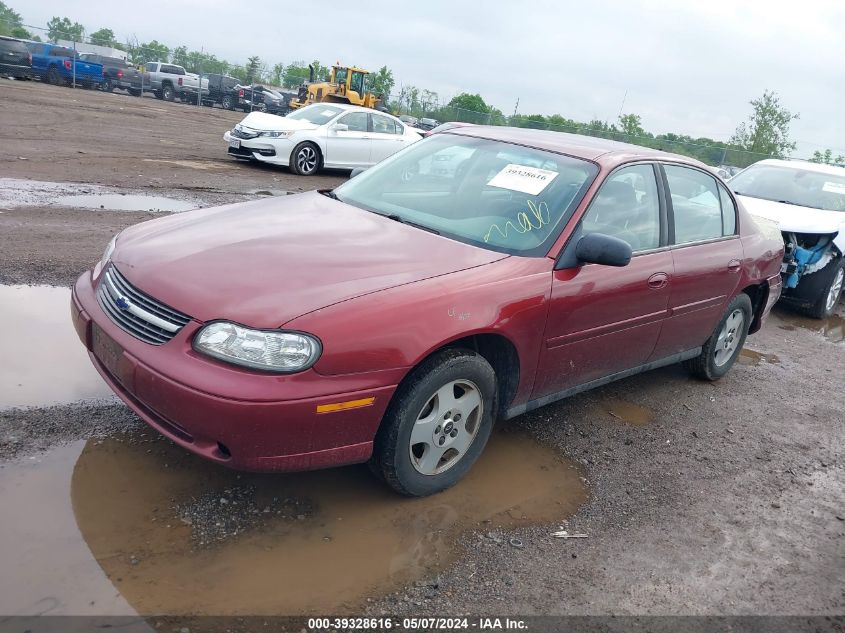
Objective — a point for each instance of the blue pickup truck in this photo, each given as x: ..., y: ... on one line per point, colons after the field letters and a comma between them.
x: 55, y: 64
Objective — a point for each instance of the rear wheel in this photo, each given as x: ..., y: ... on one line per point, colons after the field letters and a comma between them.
x: 437, y: 424
x: 108, y: 86
x: 305, y: 159
x: 228, y: 102
x: 53, y: 76
x: 720, y: 351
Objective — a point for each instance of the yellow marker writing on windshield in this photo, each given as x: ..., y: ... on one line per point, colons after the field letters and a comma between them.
x: 534, y: 219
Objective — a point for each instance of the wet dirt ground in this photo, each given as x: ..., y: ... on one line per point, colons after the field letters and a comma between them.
x: 695, y: 498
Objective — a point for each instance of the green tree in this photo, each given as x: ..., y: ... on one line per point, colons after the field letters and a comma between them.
x: 9, y: 20
x: 631, y: 125
x: 180, y: 56
x: 278, y: 72
x: 253, y: 69
x: 102, y: 37
x: 381, y: 82
x: 298, y: 72
x: 154, y: 51
x: 767, y: 130
x: 63, y: 29
x: 827, y: 158
x: 467, y: 101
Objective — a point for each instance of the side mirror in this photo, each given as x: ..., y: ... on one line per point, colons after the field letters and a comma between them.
x: 340, y: 127
x: 598, y: 248
x: 357, y: 171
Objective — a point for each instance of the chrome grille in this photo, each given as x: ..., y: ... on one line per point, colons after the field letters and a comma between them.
x: 139, y: 314
x: 241, y: 133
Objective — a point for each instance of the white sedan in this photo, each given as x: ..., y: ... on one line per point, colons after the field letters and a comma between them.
x: 330, y: 135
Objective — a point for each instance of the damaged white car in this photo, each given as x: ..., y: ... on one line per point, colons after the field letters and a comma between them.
x: 329, y: 135
x: 807, y: 200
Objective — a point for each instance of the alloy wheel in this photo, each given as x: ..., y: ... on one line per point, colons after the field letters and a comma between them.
x: 446, y: 427
x: 729, y: 337
x: 306, y: 159
x: 835, y: 289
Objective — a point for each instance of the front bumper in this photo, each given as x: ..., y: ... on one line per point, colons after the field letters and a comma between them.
x: 241, y: 419
x: 275, y: 151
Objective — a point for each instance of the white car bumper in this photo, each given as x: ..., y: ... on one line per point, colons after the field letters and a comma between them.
x: 274, y: 151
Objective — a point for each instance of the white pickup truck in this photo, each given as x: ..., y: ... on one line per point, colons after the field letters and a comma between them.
x: 169, y: 82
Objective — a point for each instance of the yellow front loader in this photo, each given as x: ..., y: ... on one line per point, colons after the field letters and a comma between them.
x: 346, y: 84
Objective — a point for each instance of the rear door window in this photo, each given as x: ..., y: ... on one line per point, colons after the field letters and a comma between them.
x: 383, y: 124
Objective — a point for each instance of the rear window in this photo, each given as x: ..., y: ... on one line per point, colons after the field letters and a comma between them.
x: 13, y: 45
x: 61, y: 51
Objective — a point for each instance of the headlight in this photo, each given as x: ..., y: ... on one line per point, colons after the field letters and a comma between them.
x: 268, y: 350
x: 107, y: 254
x: 277, y: 134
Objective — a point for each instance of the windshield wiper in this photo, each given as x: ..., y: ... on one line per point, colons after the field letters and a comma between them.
x: 401, y: 220
x: 329, y: 193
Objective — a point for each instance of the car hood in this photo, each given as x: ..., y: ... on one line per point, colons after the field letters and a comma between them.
x: 790, y: 217
x: 265, y: 121
x: 265, y: 262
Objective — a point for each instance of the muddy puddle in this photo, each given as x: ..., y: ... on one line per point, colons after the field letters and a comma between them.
x: 753, y: 358
x: 18, y: 192
x: 124, y: 202
x: 627, y: 412
x: 319, y: 542
x: 44, y: 362
x: 832, y: 328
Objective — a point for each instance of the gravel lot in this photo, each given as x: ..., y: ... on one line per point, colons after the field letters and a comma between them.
x: 722, y: 498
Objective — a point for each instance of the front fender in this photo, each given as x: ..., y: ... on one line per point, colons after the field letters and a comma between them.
x: 399, y: 327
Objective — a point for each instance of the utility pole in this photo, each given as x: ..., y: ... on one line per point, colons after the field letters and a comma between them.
x: 74, y: 63
x: 516, y: 107
x: 622, y: 107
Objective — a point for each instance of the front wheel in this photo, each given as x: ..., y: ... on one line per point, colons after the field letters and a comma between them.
x: 721, y: 350
x: 135, y: 92
x: 827, y: 283
x: 305, y: 159
x: 437, y: 424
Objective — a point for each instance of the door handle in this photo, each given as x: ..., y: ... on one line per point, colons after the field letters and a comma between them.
x: 733, y: 265
x: 658, y: 280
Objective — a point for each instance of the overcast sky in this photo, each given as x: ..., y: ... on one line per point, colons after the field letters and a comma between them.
x: 687, y: 67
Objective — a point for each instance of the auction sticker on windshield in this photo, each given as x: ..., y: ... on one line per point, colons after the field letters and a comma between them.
x: 530, y: 180
x: 833, y: 187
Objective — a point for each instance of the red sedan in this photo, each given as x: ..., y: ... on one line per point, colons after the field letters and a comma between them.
x: 474, y: 276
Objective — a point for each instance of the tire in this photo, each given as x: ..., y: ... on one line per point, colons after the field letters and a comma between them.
x: 108, y: 86
x: 721, y: 350
x: 135, y: 92
x: 227, y: 102
x: 305, y: 159
x: 167, y: 92
x: 53, y: 76
x: 450, y: 441
x: 826, y: 285
x: 157, y: 94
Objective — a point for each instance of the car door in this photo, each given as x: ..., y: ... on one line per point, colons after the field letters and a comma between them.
x: 349, y: 146
x: 387, y: 137
x: 604, y: 320
x: 707, y: 255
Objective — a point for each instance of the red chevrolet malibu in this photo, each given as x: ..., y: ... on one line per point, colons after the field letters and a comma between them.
x: 474, y: 276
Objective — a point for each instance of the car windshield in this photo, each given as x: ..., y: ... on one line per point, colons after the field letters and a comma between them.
x: 318, y: 114
x: 792, y: 185
x: 499, y: 196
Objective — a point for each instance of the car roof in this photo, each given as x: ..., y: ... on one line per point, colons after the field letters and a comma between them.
x: 352, y: 108
x: 819, y: 168
x: 580, y: 146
